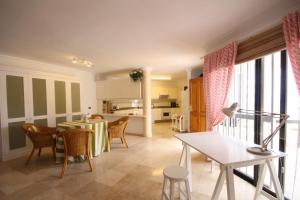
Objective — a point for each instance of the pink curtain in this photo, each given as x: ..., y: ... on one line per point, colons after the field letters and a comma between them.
x: 218, y: 70
x: 291, y: 29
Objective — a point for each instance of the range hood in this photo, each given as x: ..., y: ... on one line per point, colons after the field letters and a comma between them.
x: 163, y: 97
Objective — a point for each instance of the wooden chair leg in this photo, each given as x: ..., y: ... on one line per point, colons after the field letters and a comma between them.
x: 124, y: 142
x: 89, y: 161
x: 40, y: 151
x: 64, y: 167
x: 54, y: 153
x: 30, y: 155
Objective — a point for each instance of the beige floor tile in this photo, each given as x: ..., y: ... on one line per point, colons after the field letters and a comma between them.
x: 14, y: 181
x: 110, y: 177
x: 134, y: 173
x: 73, y: 184
x: 52, y: 194
x: 28, y: 192
x: 94, y: 190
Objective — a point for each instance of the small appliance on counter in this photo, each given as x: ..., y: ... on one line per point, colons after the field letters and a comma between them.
x: 173, y: 104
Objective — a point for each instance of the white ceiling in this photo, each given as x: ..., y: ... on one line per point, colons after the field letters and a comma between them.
x: 167, y: 35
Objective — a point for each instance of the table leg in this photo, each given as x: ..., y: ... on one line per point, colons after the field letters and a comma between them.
x: 261, y: 178
x: 230, y: 183
x: 185, y: 161
x: 182, y: 157
x: 275, y: 179
x: 219, y: 184
x: 188, y: 163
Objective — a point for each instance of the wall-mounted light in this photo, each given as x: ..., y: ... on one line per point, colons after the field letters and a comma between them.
x: 161, y: 78
x: 84, y: 62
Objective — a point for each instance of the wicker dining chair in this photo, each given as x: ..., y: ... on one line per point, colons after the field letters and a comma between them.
x: 41, y: 137
x: 116, y: 129
x: 97, y: 116
x: 76, y: 143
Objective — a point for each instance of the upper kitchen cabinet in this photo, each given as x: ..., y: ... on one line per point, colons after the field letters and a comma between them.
x: 119, y: 89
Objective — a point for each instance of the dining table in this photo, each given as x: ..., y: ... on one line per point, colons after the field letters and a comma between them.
x: 99, y: 142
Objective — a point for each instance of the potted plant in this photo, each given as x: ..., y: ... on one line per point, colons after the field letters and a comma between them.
x: 136, y: 75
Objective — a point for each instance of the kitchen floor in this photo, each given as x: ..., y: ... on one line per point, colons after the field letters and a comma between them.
x: 133, y: 173
x: 162, y: 130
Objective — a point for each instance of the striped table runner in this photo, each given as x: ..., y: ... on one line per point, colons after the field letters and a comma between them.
x: 99, y: 141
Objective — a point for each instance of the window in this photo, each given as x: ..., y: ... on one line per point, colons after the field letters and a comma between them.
x: 268, y: 84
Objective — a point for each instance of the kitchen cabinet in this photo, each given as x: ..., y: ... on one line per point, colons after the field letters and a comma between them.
x: 156, y: 114
x: 118, y: 89
x: 175, y: 111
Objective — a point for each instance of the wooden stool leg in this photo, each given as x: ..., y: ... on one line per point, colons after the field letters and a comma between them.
x: 64, y: 167
x: 30, y: 155
x: 188, y: 193
x: 164, y: 188
x: 89, y: 161
x: 171, y: 190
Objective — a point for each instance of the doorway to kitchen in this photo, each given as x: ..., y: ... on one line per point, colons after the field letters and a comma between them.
x: 166, y: 100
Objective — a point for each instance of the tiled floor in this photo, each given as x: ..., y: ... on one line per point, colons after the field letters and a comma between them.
x: 133, y: 173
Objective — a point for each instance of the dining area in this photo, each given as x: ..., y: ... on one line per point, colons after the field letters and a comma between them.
x: 76, y: 141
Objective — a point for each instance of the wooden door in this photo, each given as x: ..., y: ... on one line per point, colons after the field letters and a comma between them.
x: 202, y: 106
x: 197, y: 105
x: 194, y: 110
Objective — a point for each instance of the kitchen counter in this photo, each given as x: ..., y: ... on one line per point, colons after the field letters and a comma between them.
x: 154, y: 107
x: 135, y: 124
x: 122, y: 115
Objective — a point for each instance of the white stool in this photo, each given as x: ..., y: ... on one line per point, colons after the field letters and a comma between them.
x: 175, y: 174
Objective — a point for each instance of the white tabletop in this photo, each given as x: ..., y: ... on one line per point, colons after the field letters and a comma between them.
x: 222, y: 149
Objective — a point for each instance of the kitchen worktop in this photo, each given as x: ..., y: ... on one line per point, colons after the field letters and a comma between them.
x: 122, y: 115
x: 135, y: 123
x: 154, y: 107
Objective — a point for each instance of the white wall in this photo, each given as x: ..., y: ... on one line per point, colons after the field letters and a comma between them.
x: 17, y: 64
x: 26, y: 66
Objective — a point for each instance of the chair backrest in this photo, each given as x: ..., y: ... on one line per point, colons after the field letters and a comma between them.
x: 97, y: 116
x: 29, y: 129
x: 34, y: 132
x: 76, y: 141
x: 118, y: 127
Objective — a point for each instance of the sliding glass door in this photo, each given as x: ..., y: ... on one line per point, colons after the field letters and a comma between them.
x: 267, y: 84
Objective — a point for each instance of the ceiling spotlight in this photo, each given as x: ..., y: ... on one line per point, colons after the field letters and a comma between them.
x: 74, y: 61
x: 84, y: 62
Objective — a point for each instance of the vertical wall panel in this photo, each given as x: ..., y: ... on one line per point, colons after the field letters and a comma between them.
x: 75, y: 97
x: 60, y: 97
x: 43, y: 122
x: 17, y: 138
x: 60, y: 119
x: 39, y: 94
x: 76, y: 117
x: 15, y: 96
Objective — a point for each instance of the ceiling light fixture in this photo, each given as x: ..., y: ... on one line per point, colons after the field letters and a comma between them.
x: 161, y: 78
x: 84, y: 62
